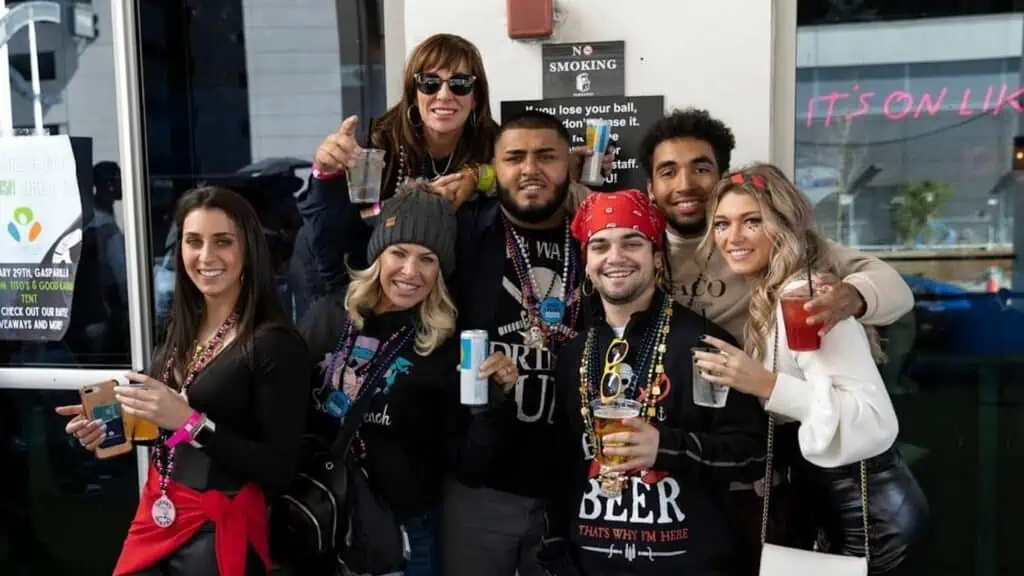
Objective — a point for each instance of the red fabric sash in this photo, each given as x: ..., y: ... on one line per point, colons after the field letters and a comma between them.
x: 237, y: 521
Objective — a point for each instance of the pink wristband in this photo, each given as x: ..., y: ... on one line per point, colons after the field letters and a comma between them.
x: 319, y: 174
x: 186, y: 432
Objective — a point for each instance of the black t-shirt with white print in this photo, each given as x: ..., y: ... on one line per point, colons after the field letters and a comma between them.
x: 676, y: 519
x: 402, y: 443
x: 518, y: 466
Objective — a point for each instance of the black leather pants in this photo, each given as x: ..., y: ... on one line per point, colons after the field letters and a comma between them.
x: 897, y: 511
x: 199, y: 558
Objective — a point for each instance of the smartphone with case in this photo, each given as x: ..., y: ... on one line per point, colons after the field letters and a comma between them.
x: 99, y: 403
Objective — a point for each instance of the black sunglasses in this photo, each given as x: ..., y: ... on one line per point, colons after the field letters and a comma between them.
x: 430, y: 84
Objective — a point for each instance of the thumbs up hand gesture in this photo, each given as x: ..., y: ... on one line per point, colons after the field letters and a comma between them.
x: 338, y: 151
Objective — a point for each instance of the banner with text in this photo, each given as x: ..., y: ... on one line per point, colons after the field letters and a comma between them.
x: 41, y: 219
x: 630, y: 118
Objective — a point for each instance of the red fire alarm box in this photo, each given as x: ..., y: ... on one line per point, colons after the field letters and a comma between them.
x: 530, y: 18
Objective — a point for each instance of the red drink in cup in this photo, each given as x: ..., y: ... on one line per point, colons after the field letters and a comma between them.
x: 801, y: 336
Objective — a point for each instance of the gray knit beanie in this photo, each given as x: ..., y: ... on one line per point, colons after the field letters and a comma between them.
x: 415, y: 216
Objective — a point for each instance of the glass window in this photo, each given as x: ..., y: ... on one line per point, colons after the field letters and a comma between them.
x: 240, y: 94
x: 62, y: 511
x: 47, y: 63
x: 77, y: 100
x: 907, y: 154
x: 836, y: 11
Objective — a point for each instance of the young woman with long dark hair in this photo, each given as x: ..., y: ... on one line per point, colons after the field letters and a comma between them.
x: 228, y: 388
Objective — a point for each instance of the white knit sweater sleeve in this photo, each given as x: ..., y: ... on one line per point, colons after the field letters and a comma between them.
x: 840, y: 400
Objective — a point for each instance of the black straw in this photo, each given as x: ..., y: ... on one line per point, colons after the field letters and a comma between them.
x: 704, y: 315
x: 810, y: 280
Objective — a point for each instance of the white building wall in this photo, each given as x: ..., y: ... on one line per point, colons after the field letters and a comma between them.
x: 294, y: 66
x: 715, y: 55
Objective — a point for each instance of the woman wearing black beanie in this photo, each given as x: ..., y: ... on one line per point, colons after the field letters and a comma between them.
x: 389, y: 336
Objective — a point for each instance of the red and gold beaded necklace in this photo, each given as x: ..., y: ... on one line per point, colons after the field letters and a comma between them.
x: 649, y: 396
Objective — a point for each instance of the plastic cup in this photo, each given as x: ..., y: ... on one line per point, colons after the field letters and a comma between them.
x: 706, y: 393
x: 364, y: 178
x: 800, y: 336
x: 597, y: 137
x: 608, y: 417
x: 140, y: 430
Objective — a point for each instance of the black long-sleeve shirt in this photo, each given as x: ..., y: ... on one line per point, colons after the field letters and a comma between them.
x: 415, y: 428
x: 682, y: 523
x: 258, y: 402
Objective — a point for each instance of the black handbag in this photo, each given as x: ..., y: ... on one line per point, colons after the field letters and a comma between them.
x: 309, y: 519
x: 374, y: 542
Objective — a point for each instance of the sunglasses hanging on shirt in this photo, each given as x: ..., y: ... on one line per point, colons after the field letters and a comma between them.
x: 430, y: 84
x: 611, y: 379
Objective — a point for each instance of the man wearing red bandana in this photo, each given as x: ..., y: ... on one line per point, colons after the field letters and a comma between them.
x: 647, y: 474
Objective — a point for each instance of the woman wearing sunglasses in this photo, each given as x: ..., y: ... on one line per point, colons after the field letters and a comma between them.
x: 441, y: 131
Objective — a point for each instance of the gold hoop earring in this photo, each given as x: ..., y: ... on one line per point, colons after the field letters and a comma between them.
x: 408, y: 114
x: 583, y: 287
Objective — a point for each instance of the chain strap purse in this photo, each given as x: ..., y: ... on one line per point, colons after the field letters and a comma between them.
x: 784, y: 561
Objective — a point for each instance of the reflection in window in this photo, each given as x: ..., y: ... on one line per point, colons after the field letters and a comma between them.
x: 22, y: 64
x: 904, y: 134
x: 79, y: 100
x: 243, y: 103
x: 62, y: 511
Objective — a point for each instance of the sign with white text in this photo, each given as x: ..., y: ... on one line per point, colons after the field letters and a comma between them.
x: 594, y: 69
x: 630, y: 117
x: 40, y: 232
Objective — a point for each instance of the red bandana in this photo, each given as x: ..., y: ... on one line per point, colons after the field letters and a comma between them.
x: 623, y: 209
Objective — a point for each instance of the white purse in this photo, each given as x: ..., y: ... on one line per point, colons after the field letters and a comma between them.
x: 782, y: 561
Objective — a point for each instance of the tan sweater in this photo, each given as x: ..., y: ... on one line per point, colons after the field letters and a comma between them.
x: 726, y: 296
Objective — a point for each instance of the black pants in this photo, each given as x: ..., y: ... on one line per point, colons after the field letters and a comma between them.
x: 198, y: 557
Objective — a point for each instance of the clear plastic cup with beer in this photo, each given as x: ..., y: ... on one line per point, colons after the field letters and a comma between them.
x: 608, y: 419
x: 141, y: 431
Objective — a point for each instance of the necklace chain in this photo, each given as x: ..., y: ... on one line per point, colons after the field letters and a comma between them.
x: 524, y: 249
x: 433, y: 165
x: 517, y: 248
x: 655, y: 373
x: 200, y: 359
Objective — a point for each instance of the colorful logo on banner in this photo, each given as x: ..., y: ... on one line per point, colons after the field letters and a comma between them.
x: 24, y: 226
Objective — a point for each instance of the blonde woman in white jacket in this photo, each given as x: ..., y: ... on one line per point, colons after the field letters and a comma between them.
x: 832, y: 394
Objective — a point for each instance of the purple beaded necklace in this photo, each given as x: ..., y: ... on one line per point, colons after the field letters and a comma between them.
x: 164, y: 511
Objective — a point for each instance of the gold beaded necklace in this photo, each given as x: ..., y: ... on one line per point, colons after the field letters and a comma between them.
x: 655, y: 373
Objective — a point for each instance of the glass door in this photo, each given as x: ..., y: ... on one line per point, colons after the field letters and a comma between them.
x: 68, y: 286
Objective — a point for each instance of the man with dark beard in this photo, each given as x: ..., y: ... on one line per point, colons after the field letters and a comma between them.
x: 517, y: 278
